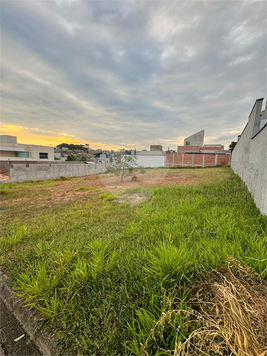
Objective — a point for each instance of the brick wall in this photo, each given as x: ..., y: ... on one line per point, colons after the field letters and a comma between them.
x: 211, y: 148
x: 188, y: 159
x: 188, y: 148
x: 168, y: 161
x: 181, y: 159
x: 223, y: 160
x: 198, y: 159
x: 209, y: 160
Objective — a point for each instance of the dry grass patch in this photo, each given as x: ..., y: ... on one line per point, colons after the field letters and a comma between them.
x: 232, y: 312
x: 229, y: 308
x: 133, y: 199
x: 163, y: 177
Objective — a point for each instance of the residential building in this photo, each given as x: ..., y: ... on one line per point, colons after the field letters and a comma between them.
x: 152, y: 158
x: 195, y: 140
x: 10, y: 149
x: 155, y: 148
x: 195, y: 154
x: 103, y: 158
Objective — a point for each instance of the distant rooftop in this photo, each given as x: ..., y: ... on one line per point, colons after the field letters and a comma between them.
x: 196, y: 139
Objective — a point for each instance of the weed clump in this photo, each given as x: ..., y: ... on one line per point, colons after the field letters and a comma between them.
x: 233, y: 312
x: 107, y: 196
x: 82, y: 188
x: 227, y: 315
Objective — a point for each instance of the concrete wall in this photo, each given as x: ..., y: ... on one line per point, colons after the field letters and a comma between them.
x: 151, y: 160
x: 148, y: 153
x: 182, y: 159
x: 6, y: 164
x: 249, y: 158
x: 5, y: 139
x: 195, y: 140
x: 4, y: 167
x: 24, y: 172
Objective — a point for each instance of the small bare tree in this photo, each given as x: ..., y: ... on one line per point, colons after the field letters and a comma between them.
x: 125, y: 166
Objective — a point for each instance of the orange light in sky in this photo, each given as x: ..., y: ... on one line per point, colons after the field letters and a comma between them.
x: 36, y: 136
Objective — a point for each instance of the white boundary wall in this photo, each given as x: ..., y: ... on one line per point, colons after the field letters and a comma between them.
x: 151, y: 160
x: 21, y: 172
x: 249, y: 158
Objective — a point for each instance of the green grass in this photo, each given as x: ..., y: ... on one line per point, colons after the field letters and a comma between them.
x: 107, y: 196
x: 102, y: 273
x: 82, y: 188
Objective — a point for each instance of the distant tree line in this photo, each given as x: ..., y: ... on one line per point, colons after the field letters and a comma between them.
x: 232, y: 145
x: 71, y: 146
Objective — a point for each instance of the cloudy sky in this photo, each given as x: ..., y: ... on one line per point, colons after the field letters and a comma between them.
x: 123, y: 73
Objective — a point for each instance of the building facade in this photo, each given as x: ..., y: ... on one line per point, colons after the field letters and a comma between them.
x: 10, y: 149
x: 195, y: 154
x: 155, y: 148
x: 195, y: 140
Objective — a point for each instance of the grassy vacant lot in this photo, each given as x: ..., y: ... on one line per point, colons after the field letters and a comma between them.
x: 112, y: 267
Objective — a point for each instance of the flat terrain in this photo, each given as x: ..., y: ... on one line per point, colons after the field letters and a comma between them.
x: 119, y: 268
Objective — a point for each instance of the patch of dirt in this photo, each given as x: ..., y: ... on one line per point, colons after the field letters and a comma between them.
x: 66, y: 189
x: 4, y: 176
x: 132, y: 199
x: 150, y: 178
x: 111, y: 183
x: 15, y: 200
x: 175, y: 179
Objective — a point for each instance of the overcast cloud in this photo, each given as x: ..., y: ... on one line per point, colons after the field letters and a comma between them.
x: 122, y: 73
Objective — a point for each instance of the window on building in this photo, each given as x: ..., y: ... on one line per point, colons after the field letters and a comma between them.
x: 22, y: 154
x: 187, y: 143
x: 43, y: 155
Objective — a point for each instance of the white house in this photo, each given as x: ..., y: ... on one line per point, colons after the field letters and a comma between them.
x: 103, y: 158
x: 10, y: 149
x: 150, y: 158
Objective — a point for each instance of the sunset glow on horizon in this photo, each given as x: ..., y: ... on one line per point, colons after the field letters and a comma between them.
x: 120, y: 74
x: 35, y: 136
